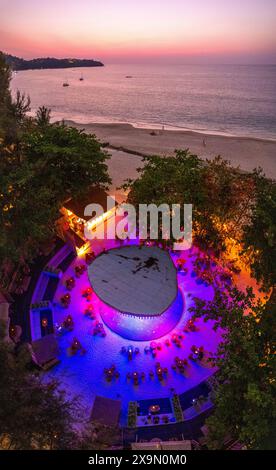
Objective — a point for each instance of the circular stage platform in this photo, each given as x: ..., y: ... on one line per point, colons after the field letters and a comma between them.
x: 137, y: 291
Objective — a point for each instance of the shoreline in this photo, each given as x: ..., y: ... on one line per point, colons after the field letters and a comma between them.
x: 167, y: 128
x: 206, y: 132
x: 246, y: 153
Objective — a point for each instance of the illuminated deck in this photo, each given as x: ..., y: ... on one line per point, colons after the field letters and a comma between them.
x: 135, y: 280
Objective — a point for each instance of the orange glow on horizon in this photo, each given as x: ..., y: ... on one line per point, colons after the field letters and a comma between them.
x: 113, y: 29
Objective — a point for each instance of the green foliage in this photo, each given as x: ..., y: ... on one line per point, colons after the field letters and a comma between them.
x: 38, y: 414
x: 95, y: 436
x: 33, y: 414
x: 219, y: 193
x: 6, y: 117
x: 177, y: 410
x: 244, y: 393
x: 20, y: 106
x: 132, y: 414
x: 41, y: 165
x: 66, y: 159
x: 43, y: 116
x: 259, y: 235
x: 228, y: 204
x: 165, y: 179
x: 16, y: 63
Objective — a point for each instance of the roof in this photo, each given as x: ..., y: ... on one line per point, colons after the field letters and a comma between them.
x: 95, y: 195
x: 136, y: 280
x: 45, y: 349
x: 106, y: 411
x: 162, y: 445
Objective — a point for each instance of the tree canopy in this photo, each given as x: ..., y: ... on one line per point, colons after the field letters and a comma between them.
x: 39, y: 414
x: 6, y: 120
x: 220, y: 194
x: 259, y: 239
x: 41, y: 165
x: 230, y: 208
x: 245, y: 385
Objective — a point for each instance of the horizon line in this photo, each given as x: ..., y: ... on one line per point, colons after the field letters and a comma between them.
x: 146, y: 62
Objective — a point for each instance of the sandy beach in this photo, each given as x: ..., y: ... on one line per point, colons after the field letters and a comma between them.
x: 127, y: 144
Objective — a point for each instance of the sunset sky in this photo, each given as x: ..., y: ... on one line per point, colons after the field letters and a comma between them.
x: 165, y: 31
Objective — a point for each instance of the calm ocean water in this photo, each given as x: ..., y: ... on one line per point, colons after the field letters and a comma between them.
x: 237, y: 100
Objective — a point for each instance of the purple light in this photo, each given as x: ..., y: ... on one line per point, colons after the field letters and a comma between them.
x: 84, y: 374
x: 138, y: 328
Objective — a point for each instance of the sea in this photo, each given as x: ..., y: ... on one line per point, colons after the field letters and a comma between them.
x: 217, y: 99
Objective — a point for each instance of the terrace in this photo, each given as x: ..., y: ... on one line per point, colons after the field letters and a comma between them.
x: 108, y: 350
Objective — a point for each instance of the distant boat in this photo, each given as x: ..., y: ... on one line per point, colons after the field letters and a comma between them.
x: 65, y: 84
x: 128, y: 76
x: 81, y: 78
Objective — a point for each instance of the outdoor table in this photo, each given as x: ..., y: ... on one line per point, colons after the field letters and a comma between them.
x: 154, y: 409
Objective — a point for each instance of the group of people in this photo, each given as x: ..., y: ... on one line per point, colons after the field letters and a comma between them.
x: 79, y: 270
x: 87, y: 294
x: 197, y: 353
x: 90, y: 312
x: 136, y: 377
x: 153, y: 348
x: 161, y: 372
x: 65, y: 300
x: 155, y: 419
x: 99, y: 330
x: 180, y: 265
x: 111, y: 373
x: 66, y: 325
x: 70, y: 283
x: 76, y: 347
x: 130, y: 351
x: 179, y: 364
x: 190, y: 326
x: 89, y: 257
